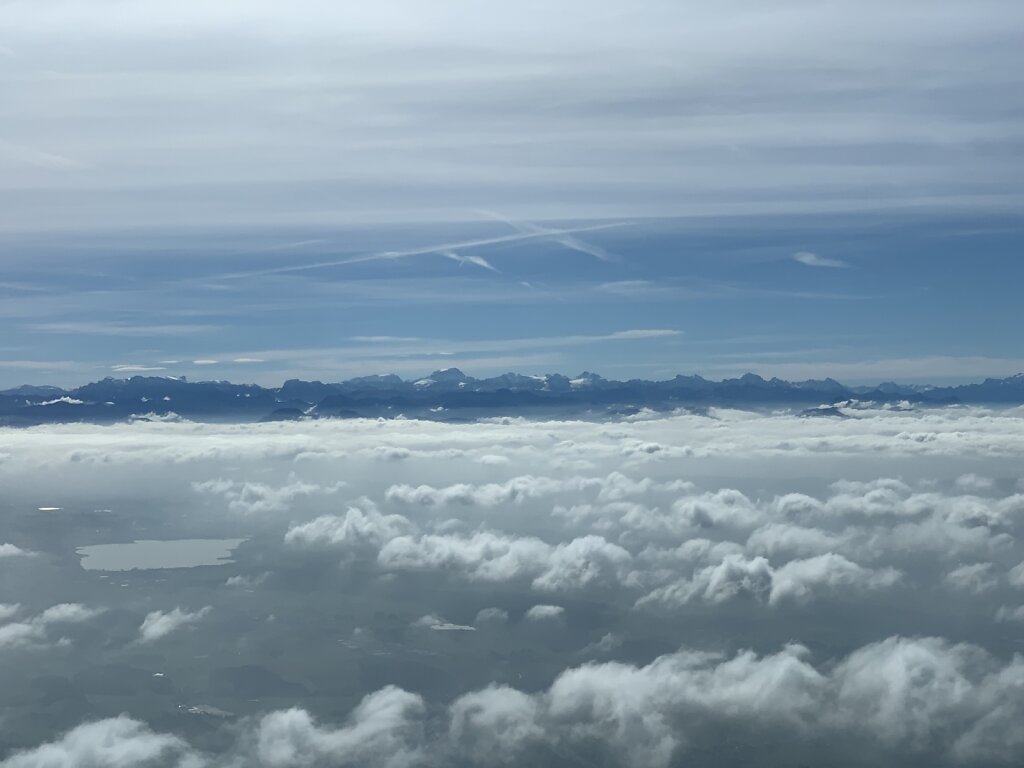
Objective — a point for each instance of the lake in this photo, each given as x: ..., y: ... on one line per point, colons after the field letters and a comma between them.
x: 149, y: 554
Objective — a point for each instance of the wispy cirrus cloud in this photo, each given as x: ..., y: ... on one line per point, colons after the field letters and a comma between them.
x: 40, y: 365
x: 136, y: 368
x: 390, y: 354
x: 404, y: 346
x: 50, y: 161
x: 814, y: 260
x: 101, y: 328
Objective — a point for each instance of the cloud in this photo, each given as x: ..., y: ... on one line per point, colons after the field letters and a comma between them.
x: 915, y: 696
x: 385, y: 339
x: 118, y: 742
x: 797, y: 580
x: 915, y: 692
x: 587, y: 561
x: 857, y: 526
x: 923, y: 698
x: 563, y: 236
x: 653, y: 333
x: 975, y: 578
x: 40, y: 365
x: 10, y: 550
x: 515, y: 490
x: 246, y: 582
x: 461, y: 259
x: 583, y: 562
x: 483, y: 555
x: 635, y: 711
x: 726, y: 508
x: 438, y: 624
x: 814, y: 260
x: 405, y: 355
x: 98, y: 328
x: 801, y: 580
x: 136, y: 368
x: 491, y: 616
x: 972, y: 483
x: 1015, y: 576
x: 159, y: 624
x: 384, y: 730
x: 65, y: 399
x: 773, y: 539
x: 1010, y: 613
x: 30, y: 156
x: 734, y: 576
x: 35, y: 630
x: 493, y: 725
x: 775, y: 147
x: 544, y: 612
x: 608, y: 643
x: 67, y: 612
x: 358, y: 530
x: 249, y: 498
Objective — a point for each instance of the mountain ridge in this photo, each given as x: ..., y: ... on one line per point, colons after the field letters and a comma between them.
x: 449, y: 393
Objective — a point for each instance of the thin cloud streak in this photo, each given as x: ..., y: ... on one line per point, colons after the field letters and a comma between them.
x: 118, y: 329
x: 814, y: 260
x: 478, y: 261
x: 603, y: 113
x: 905, y: 369
x: 441, y: 249
x: 562, y: 238
x: 375, y: 355
x: 433, y: 347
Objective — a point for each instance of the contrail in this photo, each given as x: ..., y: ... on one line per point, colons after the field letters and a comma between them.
x: 444, y: 249
x: 562, y: 237
x: 479, y: 261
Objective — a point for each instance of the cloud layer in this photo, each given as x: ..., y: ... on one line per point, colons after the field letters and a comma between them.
x: 642, y: 591
x: 905, y: 696
x: 791, y: 113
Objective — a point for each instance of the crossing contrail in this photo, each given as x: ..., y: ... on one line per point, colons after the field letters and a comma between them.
x: 564, y: 236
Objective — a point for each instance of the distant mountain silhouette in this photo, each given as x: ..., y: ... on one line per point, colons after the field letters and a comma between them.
x: 451, y: 395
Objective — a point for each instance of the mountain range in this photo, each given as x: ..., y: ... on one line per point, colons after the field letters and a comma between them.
x: 451, y: 395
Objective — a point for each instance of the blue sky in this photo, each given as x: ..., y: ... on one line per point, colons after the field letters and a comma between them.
x: 801, y: 189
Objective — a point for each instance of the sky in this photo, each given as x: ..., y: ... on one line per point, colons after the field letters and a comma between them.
x: 242, y: 191
x: 254, y: 190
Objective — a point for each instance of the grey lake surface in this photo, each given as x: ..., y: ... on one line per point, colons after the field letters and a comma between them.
x: 149, y: 554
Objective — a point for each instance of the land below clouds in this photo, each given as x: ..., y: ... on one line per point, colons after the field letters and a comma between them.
x: 655, y: 592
